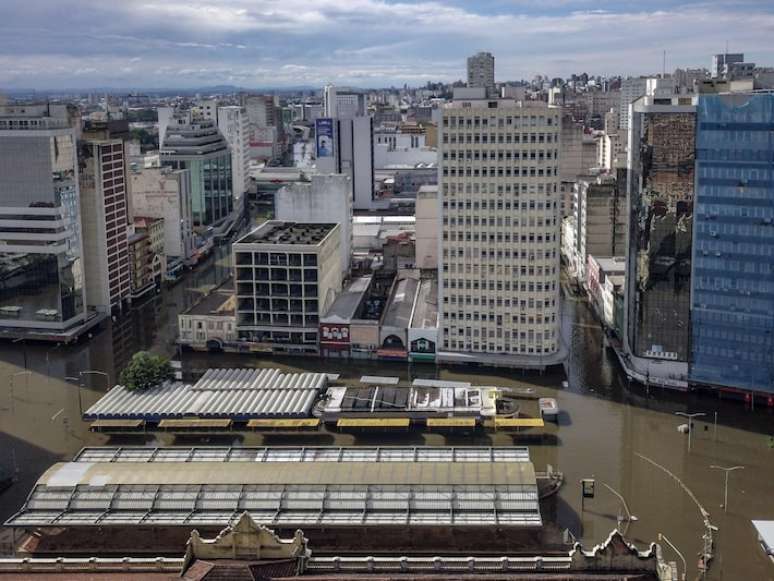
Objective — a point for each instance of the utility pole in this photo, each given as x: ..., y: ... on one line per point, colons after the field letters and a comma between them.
x: 725, y: 488
x: 690, y: 423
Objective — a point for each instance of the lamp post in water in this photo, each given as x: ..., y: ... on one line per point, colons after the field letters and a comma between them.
x: 664, y: 538
x: 725, y: 488
x: 690, y: 423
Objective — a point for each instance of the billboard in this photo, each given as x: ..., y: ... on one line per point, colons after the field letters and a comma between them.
x: 323, y: 128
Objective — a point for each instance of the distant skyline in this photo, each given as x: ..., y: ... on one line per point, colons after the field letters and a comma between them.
x: 46, y: 44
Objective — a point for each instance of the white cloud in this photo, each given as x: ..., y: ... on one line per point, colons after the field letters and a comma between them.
x: 368, y: 42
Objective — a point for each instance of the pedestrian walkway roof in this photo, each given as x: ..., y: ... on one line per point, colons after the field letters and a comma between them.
x: 288, y: 487
x: 220, y: 393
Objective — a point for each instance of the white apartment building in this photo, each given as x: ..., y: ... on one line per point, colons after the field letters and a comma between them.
x: 631, y: 90
x: 499, y: 245
x: 342, y: 103
x: 161, y: 192
x: 233, y: 125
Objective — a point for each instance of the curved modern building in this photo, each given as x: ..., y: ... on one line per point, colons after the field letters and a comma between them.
x: 198, y: 146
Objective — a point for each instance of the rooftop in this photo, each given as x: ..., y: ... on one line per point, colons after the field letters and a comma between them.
x: 220, y: 393
x: 401, y: 303
x: 278, y: 232
x: 403, y: 490
x: 426, y: 307
x: 346, y: 304
x: 220, y: 301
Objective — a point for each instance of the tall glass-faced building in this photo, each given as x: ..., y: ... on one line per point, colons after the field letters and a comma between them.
x: 198, y: 146
x: 41, y: 265
x: 732, y: 306
x: 661, y: 194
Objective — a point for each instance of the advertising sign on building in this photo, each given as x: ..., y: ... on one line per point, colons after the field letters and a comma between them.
x: 324, y: 137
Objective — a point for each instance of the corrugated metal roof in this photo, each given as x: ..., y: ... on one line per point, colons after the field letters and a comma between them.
x: 232, y: 393
x: 281, y: 505
x: 290, y: 472
x: 318, y: 486
x: 303, y: 454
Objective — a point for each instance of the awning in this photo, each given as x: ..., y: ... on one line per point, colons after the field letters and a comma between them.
x: 517, y: 423
x: 373, y: 423
x: 195, y: 423
x: 451, y: 422
x: 286, y: 423
x: 102, y: 424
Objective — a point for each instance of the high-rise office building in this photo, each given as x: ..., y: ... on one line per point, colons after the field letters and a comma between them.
x: 233, y: 125
x: 42, y: 289
x: 631, y: 90
x: 342, y: 103
x: 660, y: 189
x: 732, y: 284
x: 724, y: 64
x: 481, y: 72
x: 265, y: 124
x: 105, y: 214
x: 198, y: 146
x: 347, y: 146
x: 499, y: 245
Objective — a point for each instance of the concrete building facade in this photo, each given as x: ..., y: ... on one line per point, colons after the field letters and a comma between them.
x: 287, y: 275
x: 600, y: 218
x: 323, y: 199
x: 105, y: 223
x: 352, y: 153
x: 427, y: 227
x: 233, y: 125
x: 500, y: 233
x: 161, y: 192
x: 481, y: 72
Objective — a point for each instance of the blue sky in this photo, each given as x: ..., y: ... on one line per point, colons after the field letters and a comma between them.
x: 367, y: 43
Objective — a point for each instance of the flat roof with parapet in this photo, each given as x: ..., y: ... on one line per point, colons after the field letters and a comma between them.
x: 426, y: 307
x: 278, y: 232
x: 326, y: 487
x: 346, y: 304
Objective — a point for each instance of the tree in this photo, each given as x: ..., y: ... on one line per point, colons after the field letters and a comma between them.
x: 145, y: 370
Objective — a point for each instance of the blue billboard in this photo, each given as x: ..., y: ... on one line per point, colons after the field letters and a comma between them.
x: 323, y: 129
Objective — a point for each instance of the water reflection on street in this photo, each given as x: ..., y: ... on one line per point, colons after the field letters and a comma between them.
x: 603, y: 424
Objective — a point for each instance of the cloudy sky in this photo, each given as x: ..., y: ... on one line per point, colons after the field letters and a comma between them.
x: 366, y: 43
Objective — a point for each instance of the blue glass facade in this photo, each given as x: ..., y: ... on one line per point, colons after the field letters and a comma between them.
x: 732, y: 298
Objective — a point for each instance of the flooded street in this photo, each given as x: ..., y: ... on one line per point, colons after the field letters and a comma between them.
x: 603, y: 425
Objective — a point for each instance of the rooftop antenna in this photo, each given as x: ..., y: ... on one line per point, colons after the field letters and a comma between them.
x: 663, y: 66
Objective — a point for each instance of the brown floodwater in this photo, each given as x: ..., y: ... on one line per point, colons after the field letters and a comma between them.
x: 603, y: 425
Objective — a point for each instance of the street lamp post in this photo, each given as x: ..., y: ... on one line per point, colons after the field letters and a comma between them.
x: 24, y: 349
x: 629, y: 516
x: 662, y: 537
x: 11, y: 385
x: 95, y: 372
x: 725, y: 487
x: 690, y: 423
x: 77, y: 381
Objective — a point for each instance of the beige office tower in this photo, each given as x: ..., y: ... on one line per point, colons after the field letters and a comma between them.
x: 500, y: 223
